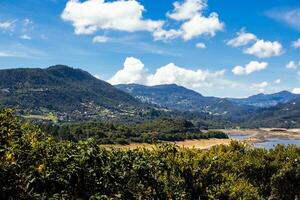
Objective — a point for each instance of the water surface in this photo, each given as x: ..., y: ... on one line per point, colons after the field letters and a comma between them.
x: 270, y: 143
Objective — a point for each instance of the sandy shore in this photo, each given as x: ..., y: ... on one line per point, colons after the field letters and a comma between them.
x: 254, y: 136
x: 198, y: 144
x: 266, y: 133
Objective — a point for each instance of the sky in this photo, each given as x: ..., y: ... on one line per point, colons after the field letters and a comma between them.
x: 224, y: 48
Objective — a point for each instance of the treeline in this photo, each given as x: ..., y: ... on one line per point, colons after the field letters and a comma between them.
x: 162, y: 129
x: 33, y: 165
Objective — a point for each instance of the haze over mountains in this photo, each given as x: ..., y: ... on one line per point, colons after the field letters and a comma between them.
x: 180, y: 98
x: 74, y: 93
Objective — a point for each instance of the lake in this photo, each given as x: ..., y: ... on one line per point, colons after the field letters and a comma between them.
x: 267, y: 144
x: 270, y: 143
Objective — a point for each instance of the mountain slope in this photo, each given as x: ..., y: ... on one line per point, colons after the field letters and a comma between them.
x: 61, y: 89
x: 180, y: 98
x: 266, y: 100
x: 285, y: 115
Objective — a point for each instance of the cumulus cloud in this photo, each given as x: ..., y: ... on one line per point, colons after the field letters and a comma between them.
x: 166, y: 35
x: 134, y: 71
x: 187, y: 9
x: 251, y: 67
x: 296, y: 91
x: 100, y: 39
x: 182, y: 76
x: 265, y: 49
x: 194, y: 23
x: 291, y: 65
x: 200, y: 45
x: 242, y: 39
x: 200, y: 25
x: 92, y: 15
x: 260, y: 49
x: 296, y: 44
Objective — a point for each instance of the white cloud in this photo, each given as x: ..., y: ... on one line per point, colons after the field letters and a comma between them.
x: 187, y: 10
x: 261, y: 85
x: 92, y: 15
x: 100, y: 39
x: 165, y: 35
x: 289, y: 16
x: 296, y: 44
x: 296, y: 91
x: 277, y: 81
x: 251, y: 67
x: 291, y: 65
x: 25, y: 37
x: 265, y: 49
x: 182, y: 76
x: 7, y: 25
x: 242, y: 39
x: 6, y: 54
x: 200, y: 25
x: 200, y: 45
x: 133, y: 71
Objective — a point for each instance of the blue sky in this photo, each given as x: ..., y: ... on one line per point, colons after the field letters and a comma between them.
x: 223, y: 48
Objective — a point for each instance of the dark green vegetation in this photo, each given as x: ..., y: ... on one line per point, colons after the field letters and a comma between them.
x: 33, y: 165
x: 163, y: 129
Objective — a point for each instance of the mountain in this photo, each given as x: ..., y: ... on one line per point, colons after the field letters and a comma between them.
x: 266, y: 100
x: 283, y: 115
x: 63, y: 90
x: 179, y: 98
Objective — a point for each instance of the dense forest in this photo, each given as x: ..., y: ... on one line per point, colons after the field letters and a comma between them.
x: 33, y: 165
x: 151, y: 131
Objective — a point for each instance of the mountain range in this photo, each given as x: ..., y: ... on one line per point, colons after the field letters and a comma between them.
x: 179, y: 98
x: 266, y: 100
x: 73, y: 94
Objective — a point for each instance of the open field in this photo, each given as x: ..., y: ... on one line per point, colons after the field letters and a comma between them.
x: 198, y: 144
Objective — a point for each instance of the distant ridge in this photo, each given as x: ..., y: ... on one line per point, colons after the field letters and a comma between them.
x: 266, y: 100
x: 180, y: 98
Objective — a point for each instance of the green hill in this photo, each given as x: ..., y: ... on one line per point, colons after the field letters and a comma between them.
x: 70, y: 93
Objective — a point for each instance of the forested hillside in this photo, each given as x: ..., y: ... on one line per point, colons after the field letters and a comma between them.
x: 179, y: 98
x: 67, y: 92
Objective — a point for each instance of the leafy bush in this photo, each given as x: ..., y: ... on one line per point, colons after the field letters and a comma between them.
x: 35, y: 166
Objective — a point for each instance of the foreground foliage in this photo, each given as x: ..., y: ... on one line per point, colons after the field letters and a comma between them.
x: 35, y: 166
